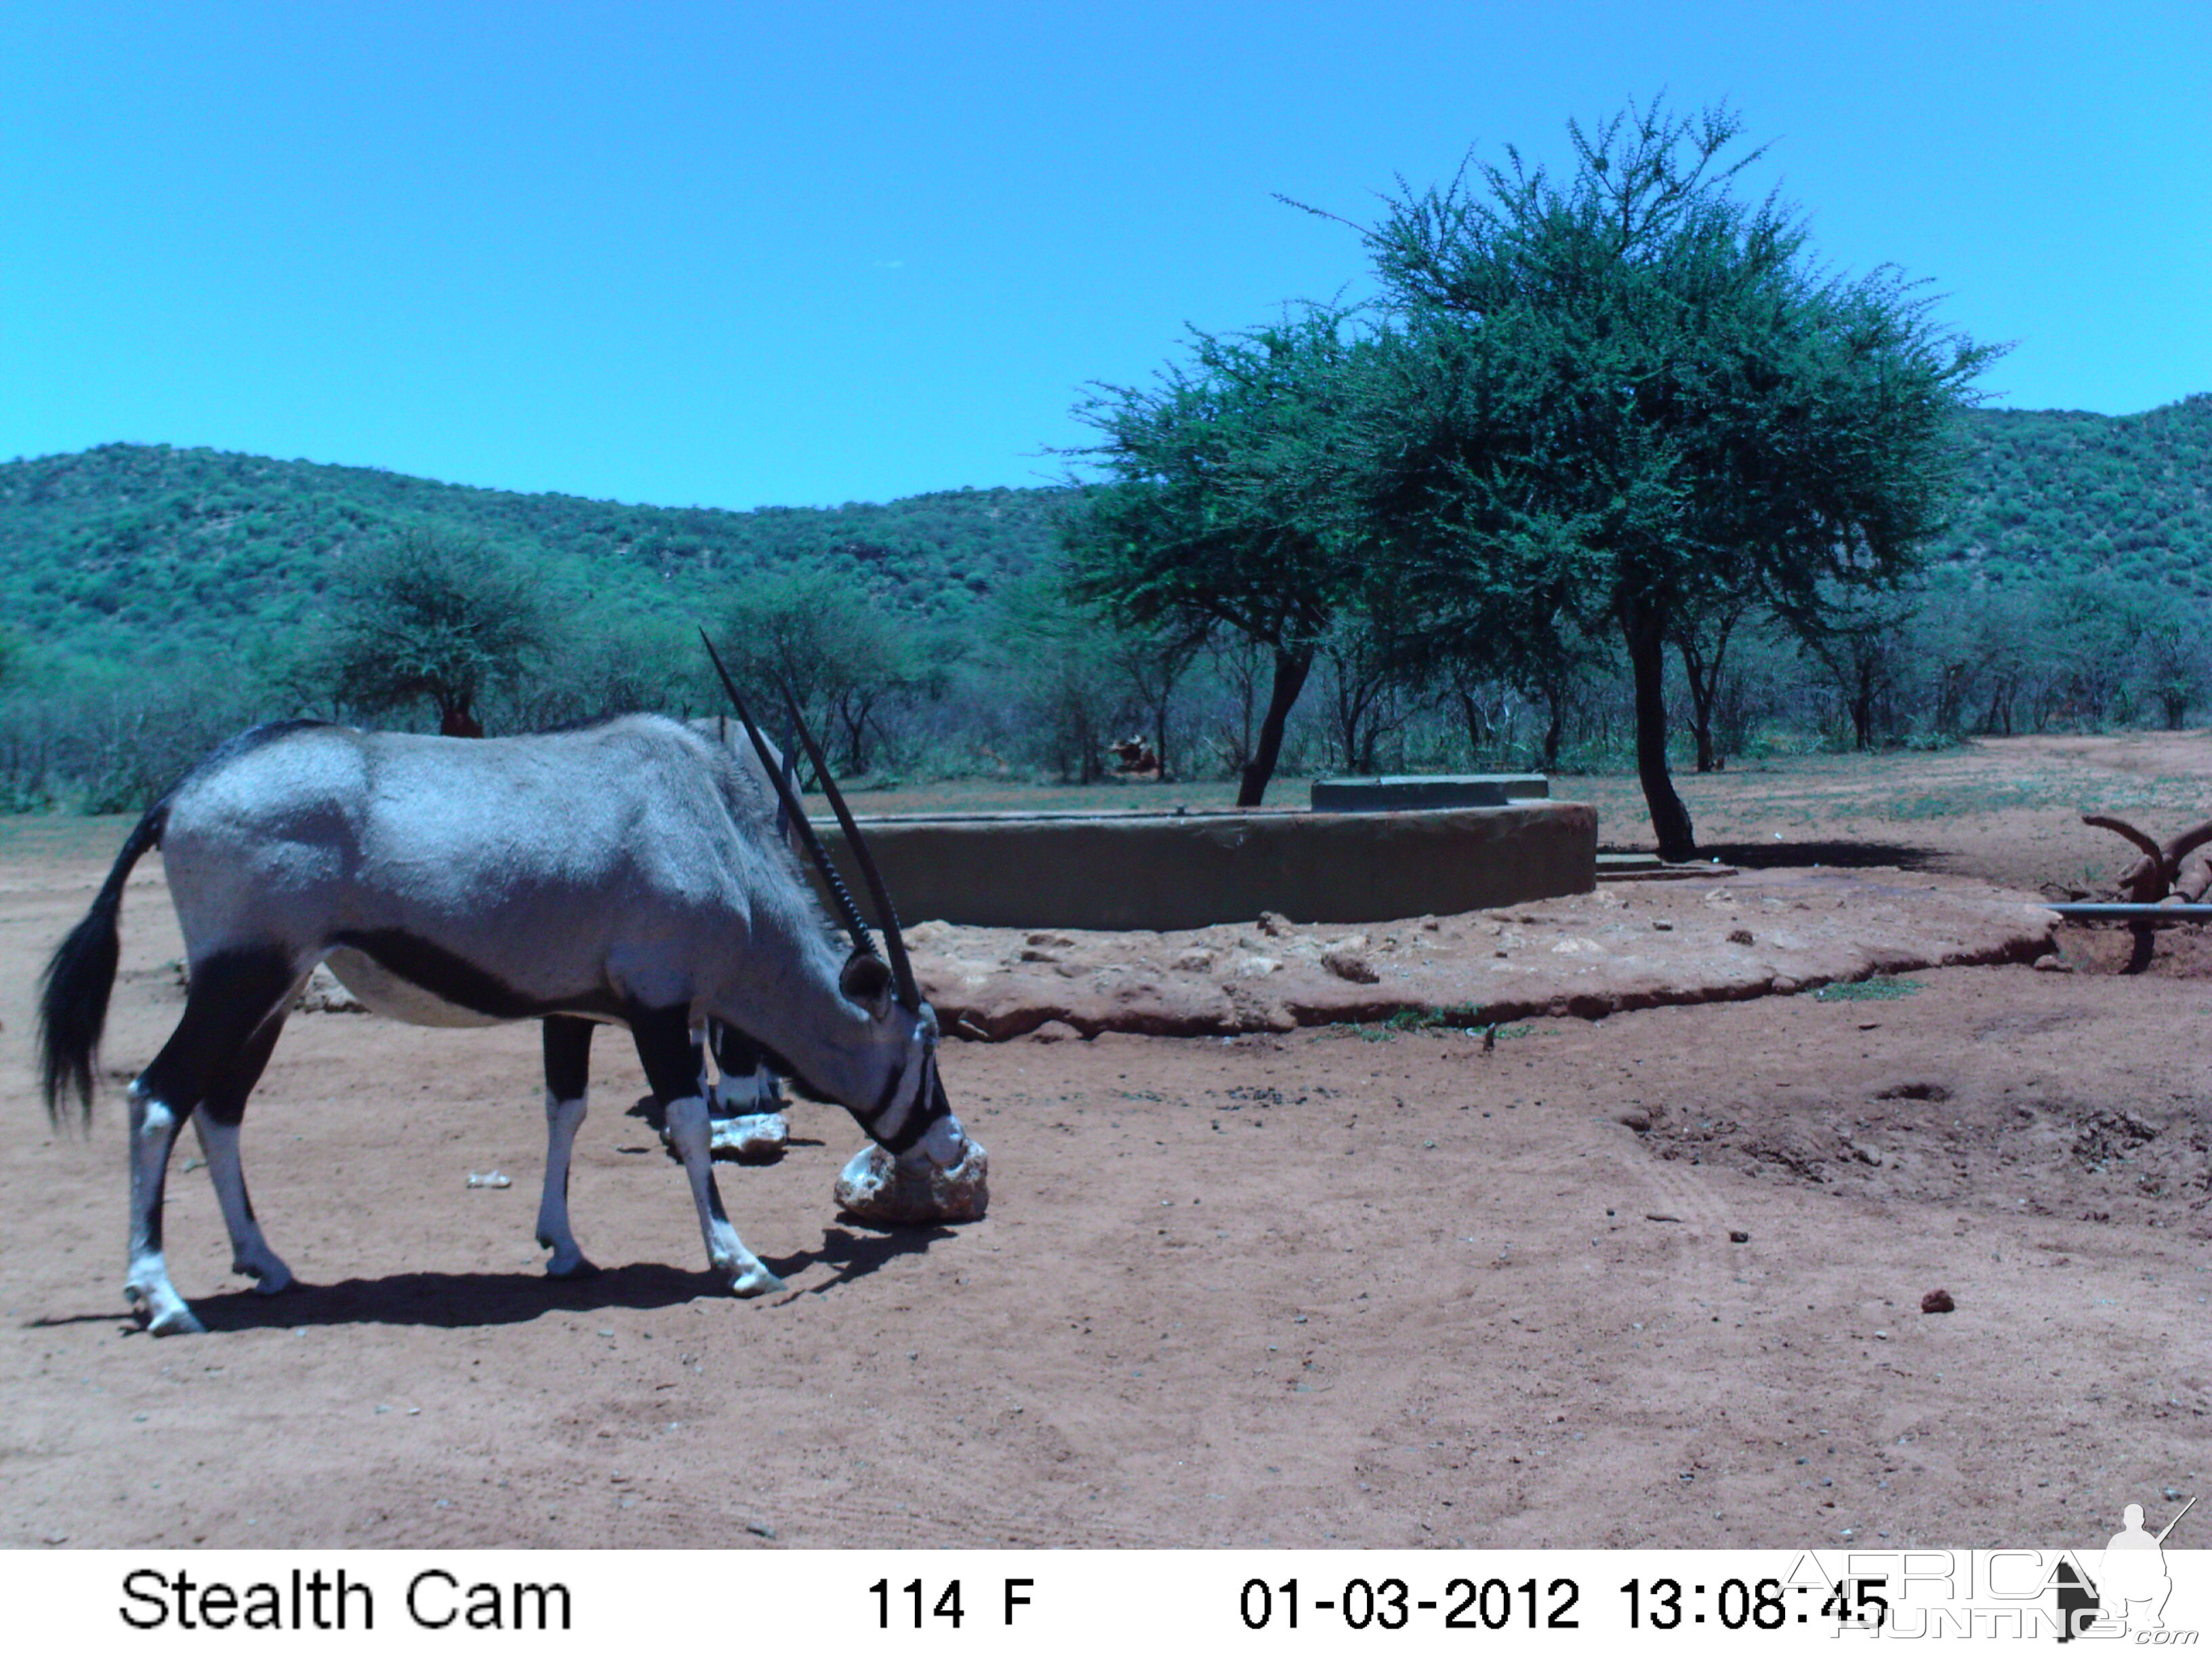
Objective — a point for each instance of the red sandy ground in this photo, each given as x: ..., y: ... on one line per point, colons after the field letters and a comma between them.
x: 1308, y: 1287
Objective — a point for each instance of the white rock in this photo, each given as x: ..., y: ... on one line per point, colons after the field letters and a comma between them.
x: 755, y: 1134
x: 877, y: 1188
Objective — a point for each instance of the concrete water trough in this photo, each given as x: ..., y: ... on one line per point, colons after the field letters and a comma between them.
x: 1392, y: 794
x: 1175, y: 869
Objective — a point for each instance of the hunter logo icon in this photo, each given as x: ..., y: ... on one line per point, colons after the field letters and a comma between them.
x: 2132, y: 1585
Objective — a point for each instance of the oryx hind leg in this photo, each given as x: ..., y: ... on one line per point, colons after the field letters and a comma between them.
x: 233, y: 994
x: 568, y: 1075
x: 217, y: 1121
x: 664, y: 1044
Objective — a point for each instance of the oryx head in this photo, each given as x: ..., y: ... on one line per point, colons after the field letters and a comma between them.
x: 912, y: 1102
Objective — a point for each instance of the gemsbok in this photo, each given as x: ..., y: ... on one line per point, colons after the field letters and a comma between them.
x: 627, y: 872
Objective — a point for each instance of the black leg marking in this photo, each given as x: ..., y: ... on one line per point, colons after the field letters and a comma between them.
x: 227, y: 1095
x: 664, y: 1046
x: 568, y: 1056
x: 736, y: 1054
x: 218, y: 1121
x: 568, y: 1042
x: 149, y: 1224
x: 217, y: 1050
x: 233, y: 996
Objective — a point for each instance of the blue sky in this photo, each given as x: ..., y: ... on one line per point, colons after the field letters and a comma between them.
x: 738, y: 255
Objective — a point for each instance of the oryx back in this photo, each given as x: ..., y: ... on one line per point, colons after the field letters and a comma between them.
x: 587, y: 872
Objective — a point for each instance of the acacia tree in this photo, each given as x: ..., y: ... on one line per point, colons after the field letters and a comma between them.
x: 1062, y: 682
x: 1633, y: 394
x: 1861, y: 642
x: 1226, y: 508
x: 817, y: 632
x: 436, y: 617
x: 2175, y: 665
x: 1151, y: 664
x: 1701, y: 640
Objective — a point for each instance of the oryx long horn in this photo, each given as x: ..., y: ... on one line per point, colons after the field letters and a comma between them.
x: 846, y: 908
x: 909, y: 994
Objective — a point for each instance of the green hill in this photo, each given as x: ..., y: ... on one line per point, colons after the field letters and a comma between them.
x: 131, y: 549
x: 2058, y: 493
x: 138, y: 552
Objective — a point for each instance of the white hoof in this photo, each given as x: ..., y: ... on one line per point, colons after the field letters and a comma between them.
x: 749, y: 1277
x: 169, y: 1316
x: 157, y: 1306
x: 877, y: 1188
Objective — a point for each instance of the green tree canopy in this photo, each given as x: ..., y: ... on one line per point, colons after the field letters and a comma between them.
x: 817, y: 631
x: 1628, y: 398
x: 437, y: 617
x: 1227, y: 505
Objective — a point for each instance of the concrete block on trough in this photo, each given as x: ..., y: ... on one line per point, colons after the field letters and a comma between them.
x: 1413, y: 794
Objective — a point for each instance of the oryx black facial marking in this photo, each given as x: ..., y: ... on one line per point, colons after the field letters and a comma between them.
x: 912, y: 1099
x: 626, y: 872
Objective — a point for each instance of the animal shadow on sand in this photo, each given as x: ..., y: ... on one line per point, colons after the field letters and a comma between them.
x: 461, y: 1301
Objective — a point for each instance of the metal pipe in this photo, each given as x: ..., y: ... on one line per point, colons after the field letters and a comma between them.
x: 2133, y: 912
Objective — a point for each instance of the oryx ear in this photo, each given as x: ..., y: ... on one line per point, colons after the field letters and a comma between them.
x: 866, y: 979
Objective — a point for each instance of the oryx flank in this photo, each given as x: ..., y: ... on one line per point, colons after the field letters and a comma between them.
x: 623, y: 873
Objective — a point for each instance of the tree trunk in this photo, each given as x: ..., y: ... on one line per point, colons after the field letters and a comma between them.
x: 1555, y: 699
x: 1705, y: 683
x: 1701, y: 722
x: 1644, y: 630
x: 853, y: 712
x: 1477, y: 727
x: 458, y: 720
x: 1292, y: 668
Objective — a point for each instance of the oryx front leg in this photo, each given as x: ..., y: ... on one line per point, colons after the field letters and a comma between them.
x: 562, y: 1118
x: 154, y: 1126
x: 568, y: 1070
x: 664, y: 1045
x: 740, y: 1269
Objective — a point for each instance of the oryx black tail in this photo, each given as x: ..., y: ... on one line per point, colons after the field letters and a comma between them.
x: 73, y: 995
